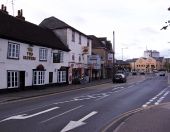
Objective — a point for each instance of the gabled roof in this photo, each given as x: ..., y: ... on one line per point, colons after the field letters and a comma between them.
x: 96, y: 43
x: 19, y: 30
x: 54, y: 23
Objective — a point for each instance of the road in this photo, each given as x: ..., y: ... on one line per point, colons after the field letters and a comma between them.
x: 83, y: 110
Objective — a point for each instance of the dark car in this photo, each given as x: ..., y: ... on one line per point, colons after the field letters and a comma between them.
x: 119, y: 78
x: 134, y: 73
x: 142, y: 73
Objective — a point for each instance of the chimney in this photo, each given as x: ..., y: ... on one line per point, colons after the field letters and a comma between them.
x: 20, y: 16
x: 3, y: 9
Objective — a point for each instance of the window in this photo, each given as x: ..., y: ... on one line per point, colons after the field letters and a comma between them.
x: 43, y: 54
x: 58, y: 57
x: 61, y: 56
x: 61, y: 76
x: 73, y: 57
x: 13, y: 79
x: 38, y: 77
x: 79, y: 38
x: 13, y: 50
x: 73, y: 36
x: 88, y: 42
x: 79, y: 58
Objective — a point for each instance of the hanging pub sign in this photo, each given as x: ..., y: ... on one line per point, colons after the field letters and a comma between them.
x: 85, y: 50
x: 29, y: 55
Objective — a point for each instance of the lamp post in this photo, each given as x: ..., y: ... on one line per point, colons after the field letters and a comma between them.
x: 122, y: 52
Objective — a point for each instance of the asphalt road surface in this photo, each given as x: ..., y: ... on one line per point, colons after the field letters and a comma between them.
x: 82, y: 110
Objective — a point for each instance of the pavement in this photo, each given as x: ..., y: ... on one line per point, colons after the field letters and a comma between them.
x: 149, y: 119
x: 23, y: 94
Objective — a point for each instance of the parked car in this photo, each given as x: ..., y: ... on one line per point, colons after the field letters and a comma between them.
x: 134, y: 73
x: 142, y: 73
x: 119, y: 77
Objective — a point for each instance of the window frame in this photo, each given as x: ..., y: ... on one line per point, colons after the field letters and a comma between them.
x: 13, y: 79
x: 61, y: 76
x: 38, y: 77
x: 43, y: 53
x: 13, y: 50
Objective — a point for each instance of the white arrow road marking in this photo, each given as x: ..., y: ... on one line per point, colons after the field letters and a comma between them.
x: 73, y: 124
x: 25, y: 116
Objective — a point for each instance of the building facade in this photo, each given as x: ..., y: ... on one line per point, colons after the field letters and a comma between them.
x: 78, y: 43
x: 103, y: 48
x: 151, y: 53
x: 147, y: 64
x: 30, y: 56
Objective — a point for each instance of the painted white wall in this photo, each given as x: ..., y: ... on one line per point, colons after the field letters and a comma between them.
x: 26, y: 65
x: 66, y: 36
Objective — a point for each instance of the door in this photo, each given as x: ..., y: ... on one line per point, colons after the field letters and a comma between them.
x: 22, y: 79
x: 50, y: 77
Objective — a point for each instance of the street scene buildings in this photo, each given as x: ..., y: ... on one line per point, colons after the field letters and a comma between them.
x: 51, y: 53
x: 54, y: 53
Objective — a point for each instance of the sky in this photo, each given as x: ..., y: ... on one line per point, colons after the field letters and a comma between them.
x: 136, y: 23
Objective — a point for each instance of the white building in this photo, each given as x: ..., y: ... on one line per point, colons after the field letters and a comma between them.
x: 78, y: 43
x: 29, y: 55
x: 151, y: 53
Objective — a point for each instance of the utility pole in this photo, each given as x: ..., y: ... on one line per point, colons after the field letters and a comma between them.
x: 114, y: 68
x: 122, y: 52
x: 12, y: 7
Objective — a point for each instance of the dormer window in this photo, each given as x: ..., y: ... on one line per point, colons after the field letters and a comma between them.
x: 88, y: 42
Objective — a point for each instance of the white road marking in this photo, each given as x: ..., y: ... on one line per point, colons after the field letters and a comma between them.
x: 154, y: 98
x: 62, y: 114
x: 117, y: 88
x: 73, y: 124
x: 161, y: 99
x: 25, y: 116
x: 131, y: 86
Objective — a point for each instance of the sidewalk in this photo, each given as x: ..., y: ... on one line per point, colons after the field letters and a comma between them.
x: 4, y: 97
x: 150, y: 119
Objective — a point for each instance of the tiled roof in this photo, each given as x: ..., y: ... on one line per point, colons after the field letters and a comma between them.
x: 54, y: 23
x: 96, y: 43
x: 19, y: 30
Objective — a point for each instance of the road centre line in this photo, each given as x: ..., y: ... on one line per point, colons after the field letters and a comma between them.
x: 61, y: 114
x: 154, y: 98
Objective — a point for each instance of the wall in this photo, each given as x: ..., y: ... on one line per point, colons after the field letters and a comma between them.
x: 26, y: 65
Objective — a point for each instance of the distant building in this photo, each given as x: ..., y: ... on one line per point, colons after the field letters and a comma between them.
x: 151, y: 53
x: 149, y: 64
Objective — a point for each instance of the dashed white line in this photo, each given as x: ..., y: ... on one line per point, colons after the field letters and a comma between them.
x: 62, y: 114
x: 154, y: 98
x: 161, y: 99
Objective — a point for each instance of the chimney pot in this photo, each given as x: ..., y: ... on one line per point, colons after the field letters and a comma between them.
x: 2, y: 7
x: 21, y: 12
x: 20, y: 15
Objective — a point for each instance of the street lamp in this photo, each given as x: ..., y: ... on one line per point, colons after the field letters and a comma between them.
x: 122, y: 51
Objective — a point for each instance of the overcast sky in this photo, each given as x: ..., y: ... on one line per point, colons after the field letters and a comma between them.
x: 136, y: 23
